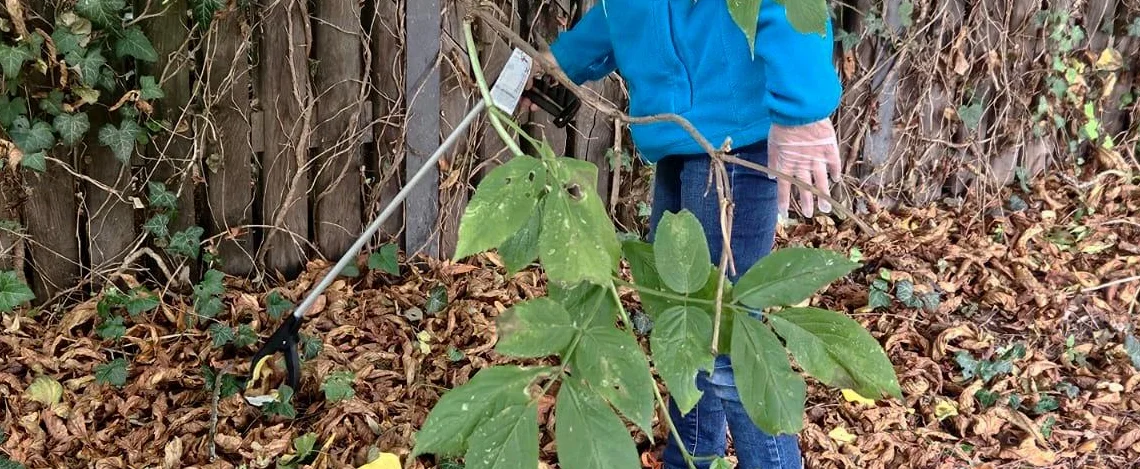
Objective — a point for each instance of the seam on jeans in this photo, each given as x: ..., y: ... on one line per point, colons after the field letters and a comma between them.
x: 774, y: 450
x: 696, y: 428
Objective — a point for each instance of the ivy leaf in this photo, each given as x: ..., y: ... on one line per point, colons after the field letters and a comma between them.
x: 244, y: 336
x: 113, y: 373
x: 746, y: 14
x: 12, y: 59
x: 71, y: 127
x: 36, y: 161
x: 208, y: 307
x: 111, y: 328
x: 682, y: 345
x: 220, y: 334
x: 160, y: 198
x: 104, y: 13
x: 806, y: 16
x: 6, y: 463
x: 310, y: 346
x: 158, y: 225
x: 277, y: 305
x: 141, y: 301
x: 502, y: 204
x: 204, y: 11
x: 121, y: 139
x: 31, y: 138
x: 185, y: 243
x: 66, y: 41
x: 89, y: 65
x: 338, y: 386
x: 283, y: 406
x: 534, y: 329
x: 589, y: 434
x: 133, y: 43
x: 612, y: 363
x: 521, y: 249
x: 13, y: 292
x: 681, y: 252
x: 454, y: 418
x: 1132, y: 347
x: 837, y: 350
x: 789, y: 276
x: 1134, y: 27
x: 577, y: 242
x: 773, y: 394
x: 971, y: 115
x: 10, y: 109
x: 149, y: 89
x: 385, y: 260
x: 507, y: 440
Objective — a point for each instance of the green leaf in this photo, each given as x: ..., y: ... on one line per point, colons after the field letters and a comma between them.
x: 66, y: 41
x: 746, y: 15
x: 789, y: 276
x: 204, y: 11
x: 13, y: 291
x: 682, y: 345
x: 521, y: 249
x: 121, y: 139
x: 681, y: 252
x: 350, y: 271
x: 45, y: 390
x: 437, y: 300
x: 209, y: 307
x: 186, y: 243
x: 589, y: 305
x: 104, y: 13
x: 220, y: 334
x: 12, y: 108
x: 1134, y: 27
x: 837, y: 351
x: 971, y: 115
x: 338, y: 386
x: 773, y: 394
x: 1132, y: 348
x: 720, y: 463
x: 806, y: 16
x: 906, y: 14
x: 149, y: 89
x: 508, y: 440
x: 385, y: 260
x: 6, y: 463
x: 302, y: 452
x: 454, y: 418
x: 35, y: 161
x: 310, y: 346
x: 71, y: 127
x: 158, y: 225
x: 244, y: 336
x: 1045, y: 404
x: 111, y: 328
x: 160, y: 198
x: 211, y: 284
x: 133, y: 43
x: 589, y: 434
x: 89, y: 65
x: 612, y: 362
x: 31, y: 138
x: 454, y: 354
x: 283, y: 406
x: 577, y: 242
x: 141, y: 301
x: 502, y: 204
x: 113, y: 373
x: 534, y: 329
x: 277, y: 305
x: 12, y: 59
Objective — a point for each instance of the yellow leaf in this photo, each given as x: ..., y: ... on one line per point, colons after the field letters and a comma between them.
x: 1110, y: 60
x: 945, y: 409
x: 841, y: 435
x: 855, y: 397
x: 424, y: 339
x: 385, y: 461
x: 45, y: 390
x: 256, y: 375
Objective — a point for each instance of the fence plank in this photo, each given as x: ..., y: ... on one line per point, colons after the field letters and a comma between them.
x: 110, y: 218
x: 337, y: 205
x: 50, y: 214
x: 283, y: 76
x: 593, y: 133
x: 494, y: 51
x: 229, y: 174
x: 421, y: 82
x: 11, y: 244
x: 457, y: 97
x: 388, y: 113
x: 545, y: 18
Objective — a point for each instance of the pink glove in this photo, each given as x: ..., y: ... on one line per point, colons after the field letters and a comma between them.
x: 809, y: 153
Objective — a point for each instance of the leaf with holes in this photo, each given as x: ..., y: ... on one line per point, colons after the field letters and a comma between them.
x: 114, y: 373
x: 12, y: 59
x: 149, y: 89
x: 836, y: 350
x: 682, y: 346
x: 71, y: 127
x: 13, y: 291
x: 507, y: 440
x: 158, y: 225
x: 789, y: 276
x: 104, y: 13
x: 589, y: 434
x: 773, y: 394
x: 31, y: 137
x: 277, y: 305
x: 385, y: 260
x: 186, y: 243
x: 502, y: 204
x: 613, y: 364
x: 534, y: 329
x: 681, y: 252
x: 12, y: 108
x: 133, y: 43
x: 121, y: 140
x: 220, y: 334
x: 577, y: 242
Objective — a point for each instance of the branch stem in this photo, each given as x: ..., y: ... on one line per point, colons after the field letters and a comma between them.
x: 481, y: 79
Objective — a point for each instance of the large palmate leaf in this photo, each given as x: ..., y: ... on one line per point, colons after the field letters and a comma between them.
x: 502, y: 204
x: 681, y: 252
x: 682, y: 345
x: 612, y: 363
x: 589, y: 434
x: 534, y: 328
x: 773, y: 394
x: 507, y: 440
x: 837, y: 350
x: 789, y: 276
x: 577, y: 242
x: 521, y: 249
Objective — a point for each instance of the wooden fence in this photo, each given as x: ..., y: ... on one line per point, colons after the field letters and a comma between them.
x: 295, y: 126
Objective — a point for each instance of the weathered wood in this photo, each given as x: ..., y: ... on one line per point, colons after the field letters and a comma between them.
x: 458, y: 94
x: 110, y: 217
x: 51, y: 214
x: 494, y: 51
x: 388, y: 112
x: 593, y: 133
x: 283, y: 76
x: 422, y: 87
x: 11, y: 244
x: 337, y: 202
x: 229, y: 156
x: 545, y: 18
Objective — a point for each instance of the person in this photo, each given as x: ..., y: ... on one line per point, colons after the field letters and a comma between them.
x: 690, y: 58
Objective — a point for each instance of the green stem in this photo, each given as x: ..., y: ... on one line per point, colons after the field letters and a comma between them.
x: 672, y: 296
x: 486, y: 92
x: 656, y: 392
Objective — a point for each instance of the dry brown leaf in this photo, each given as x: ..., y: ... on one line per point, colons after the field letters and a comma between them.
x: 1028, y: 452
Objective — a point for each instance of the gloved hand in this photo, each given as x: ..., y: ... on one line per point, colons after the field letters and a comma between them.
x: 810, y: 153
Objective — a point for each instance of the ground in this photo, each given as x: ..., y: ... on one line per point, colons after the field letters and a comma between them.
x: 1006, y: 320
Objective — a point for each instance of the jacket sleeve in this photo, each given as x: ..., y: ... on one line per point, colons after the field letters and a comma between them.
x: 584, y: 51
x: 803, y: 85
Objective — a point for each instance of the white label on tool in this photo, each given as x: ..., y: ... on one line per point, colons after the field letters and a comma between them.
x: 512, y: 81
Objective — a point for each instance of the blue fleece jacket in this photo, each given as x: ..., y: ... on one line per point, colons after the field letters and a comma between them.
x: 690, y: 58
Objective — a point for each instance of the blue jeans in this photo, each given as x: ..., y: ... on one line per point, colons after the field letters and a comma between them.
x: 681, y: 182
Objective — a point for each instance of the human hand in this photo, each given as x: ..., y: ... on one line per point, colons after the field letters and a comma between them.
x: 809, y: 153
x: 536, y: 71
